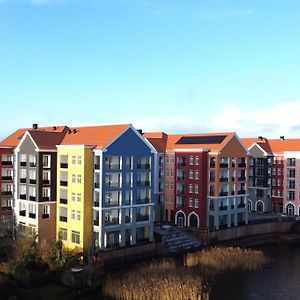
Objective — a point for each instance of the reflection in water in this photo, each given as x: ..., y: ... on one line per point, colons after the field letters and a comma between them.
x: 279, y: 280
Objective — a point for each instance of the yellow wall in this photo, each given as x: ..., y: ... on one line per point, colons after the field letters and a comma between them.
x: 84, y: 226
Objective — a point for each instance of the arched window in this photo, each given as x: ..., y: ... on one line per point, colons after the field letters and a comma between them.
x: 249, y: 205
x: 259, y: 206
x: 193, y: 220
x: 290, y: 209
x: 180, y: 219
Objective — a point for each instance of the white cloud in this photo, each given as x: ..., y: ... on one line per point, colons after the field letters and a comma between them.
x: 279, y: 119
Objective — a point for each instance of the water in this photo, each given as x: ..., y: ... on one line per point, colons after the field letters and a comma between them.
x: 279, y: 280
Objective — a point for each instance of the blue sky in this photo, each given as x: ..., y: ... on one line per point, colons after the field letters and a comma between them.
x: 172, y: 65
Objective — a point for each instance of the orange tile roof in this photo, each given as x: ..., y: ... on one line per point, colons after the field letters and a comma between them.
x: 249, y: 141
x: 168, y: 142
x: 279, y: 146
x: 14, y: 139
x: 97, y: 136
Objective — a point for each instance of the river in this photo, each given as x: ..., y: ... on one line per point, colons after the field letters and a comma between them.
x: 279, y: 280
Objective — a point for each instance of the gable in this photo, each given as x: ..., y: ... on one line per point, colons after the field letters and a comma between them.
x: 255, y: 151
x: 233, y: 149
x: 129, y: 143
x: 27, y: 145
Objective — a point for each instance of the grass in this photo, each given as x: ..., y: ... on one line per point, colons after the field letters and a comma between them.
x: 159, y: 280
x: 166, y: 280
x: 227, y: 259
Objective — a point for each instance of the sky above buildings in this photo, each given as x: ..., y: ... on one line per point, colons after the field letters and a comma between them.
x: 171, y: 65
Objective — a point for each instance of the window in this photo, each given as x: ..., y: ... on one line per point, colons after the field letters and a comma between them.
x: 172, y: 159
x: 278, y: 171
x: 75, y: 237
x: 191, y: 160
x: 78, y: 178
x: 190, y: 202
x: 273, y: 182
x: 73, y: 196
x: 196, y: 189
x: 78, y: 215
x: 167, y: 172
x: 279, y: 182
x: 79, y: 160
x: 167, y: 199
x: 78, y: 197
x: 73, y: 159
x: 196, y: 203
x: 171, y: 185
x: 73, y: 178
x: 197, y: 160
x: 167, y: 159
x: 46, y: 161
x: 62, y: 234
x: 274, y: 171
x: 279, y: 193
x: 196, y: 174
x: 23, y: 158
x: 171, y: 172
x: 46, y: 177
x: 167, y: 185
x: 191, y: 174
x: 46, y: 193
x: 191, y: 188
x: 73, y: 214
x: 46, y: 212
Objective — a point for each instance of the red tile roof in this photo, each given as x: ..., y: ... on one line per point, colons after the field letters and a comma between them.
x: 14, y: 139
x: 47, y: 140
x: 97, y: 136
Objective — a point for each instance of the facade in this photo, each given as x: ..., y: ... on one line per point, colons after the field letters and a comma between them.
x: 205, y: 179
x: 260, y: 174
x: 105, y: 187
x: 35, y: 182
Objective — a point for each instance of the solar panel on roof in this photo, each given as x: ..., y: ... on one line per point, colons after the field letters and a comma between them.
x: 210, y: 139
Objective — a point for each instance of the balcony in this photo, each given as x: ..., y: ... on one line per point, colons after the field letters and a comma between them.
x: 32, y: 215
x: 143, y: 183
x: 232, y: 178
x: 112, y: 184
x: 46, y: 181
x: 97, y: 166
x: 223, y: 179
x: 212, y: 193
x: 97, y: 185
x: 223, y: 165
x: 143, y: 166
x: 180, y: 192
x: 143, y: 200
x: 232, y: 206
x: 212, y: 165
x: 63, y: 183
x: 64, y: 165
x: 181, y: 164
x: 6, y: 178
x: 63, y: 219
x: 223, y: 207
x: 212, y: 179
x: 22, y: 180
x: 242, y: 165
x: 96, y: 203
x: 182, y: 177
x: 32, y: 198
x: 46, y: 198
x: 233, y: 165
x: 6, y: 163
x: 6, y: 193
x: 141, y: 218
x: 63, y: 201
x: 241, y: 205
x: 241, y: 192
x: 23, y: 163
x: 32, y: 164
x: 23, y: 196
x: 22, y: 213
x: 113, y: 166
x: 223, y: 194
x: 6, y: 208
x: 45, y: 216
x: 242, y: 178
x: 232, y: 193
x: 32, y: 181
x: 96, y: 222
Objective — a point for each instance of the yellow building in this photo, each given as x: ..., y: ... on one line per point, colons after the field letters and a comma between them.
x: 74, y: 194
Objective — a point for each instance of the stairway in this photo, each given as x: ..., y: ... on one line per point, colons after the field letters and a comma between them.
x: 177, y: 241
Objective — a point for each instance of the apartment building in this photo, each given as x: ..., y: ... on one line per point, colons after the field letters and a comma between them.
x: 35, y: 181
x: 260, y: 174
x: 286, y: 175
x: 105, y: 187
x: 205, y: 179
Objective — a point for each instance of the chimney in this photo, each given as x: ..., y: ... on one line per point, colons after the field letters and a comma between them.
x: 260, y: 138
x: 140, y: 131
x: 74, y: 130
x: 54, y: 128
x: 282, y: 137
x: 35, y: 126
